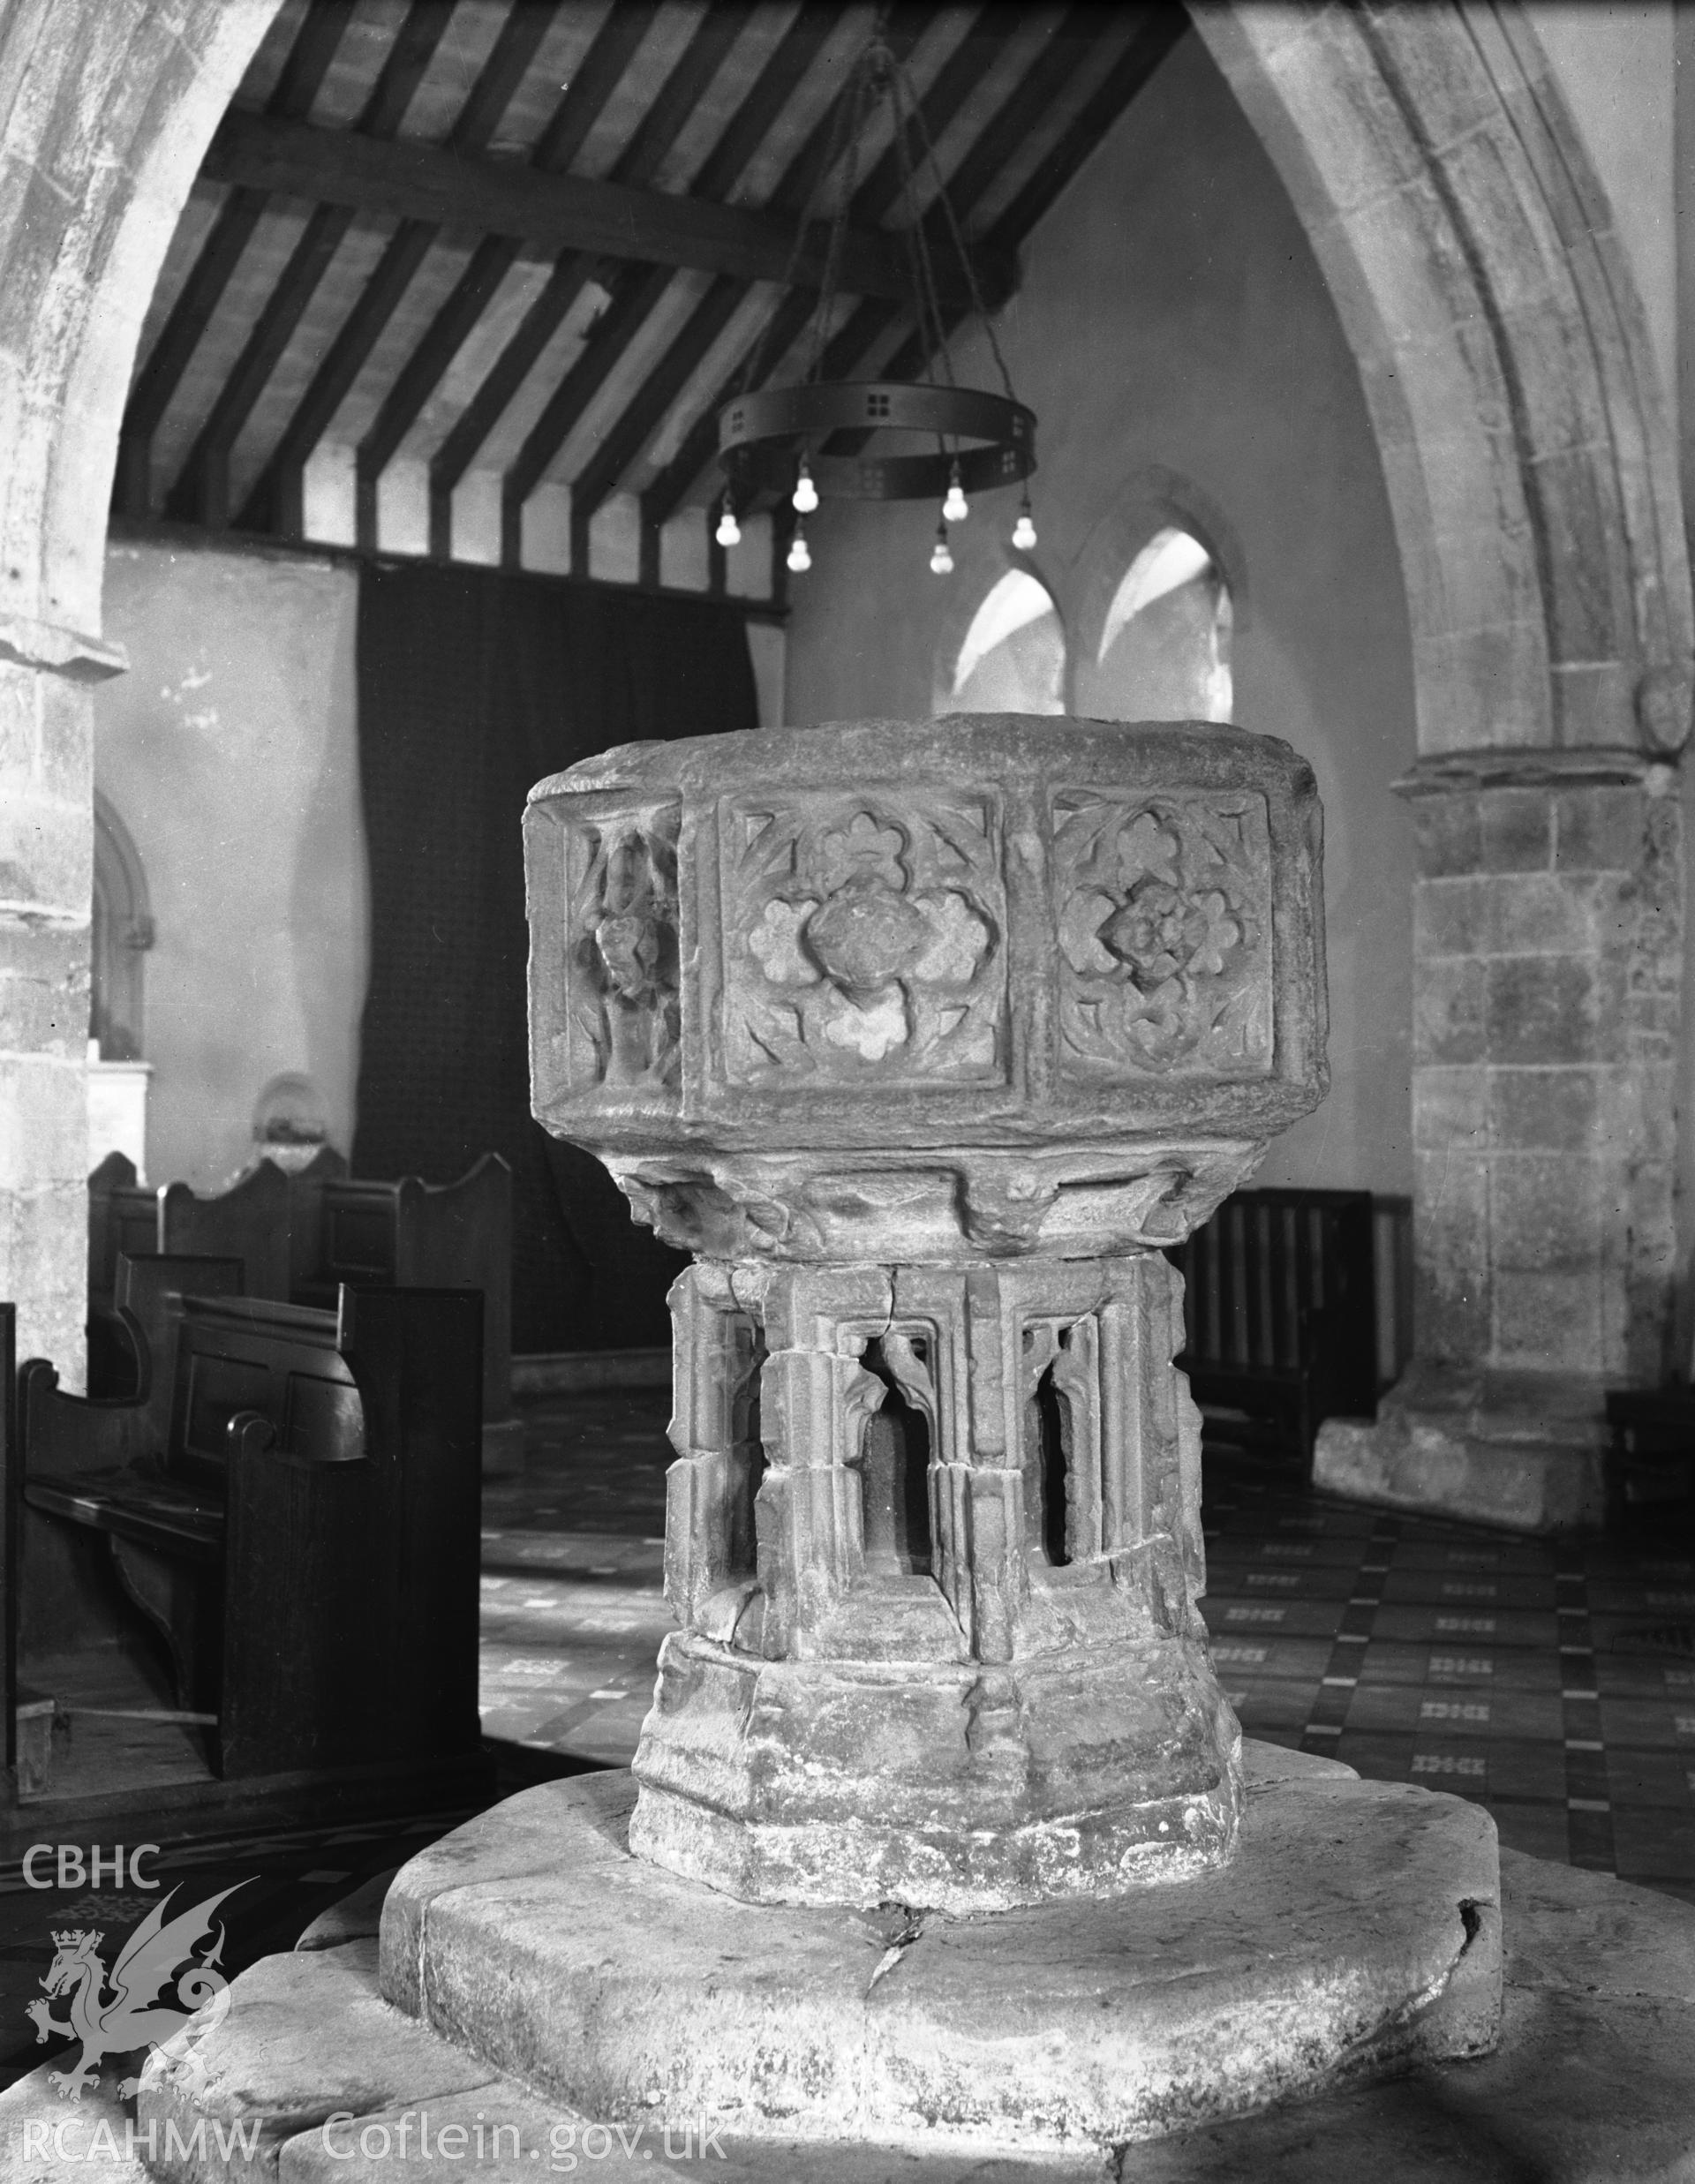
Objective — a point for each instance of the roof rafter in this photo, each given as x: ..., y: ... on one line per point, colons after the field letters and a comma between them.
x: 781, y: 73
x: 977, y: 173
x: 307, y: 64
x: 958, y: 77
x: 276, y: 496
x: 606, y: 341
x: 793, y: 194
x: 496, y: 255
x: 202, y: 487
x: 598, y: 477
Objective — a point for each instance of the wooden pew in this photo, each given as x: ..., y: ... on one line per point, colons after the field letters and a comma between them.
x: 251, y: 1221
x: 1280, y: 1316
x: 123, y: 1217
x: 1649, y: 1471
x: 451, y: 1234
x: 300, y: 1235
x: 140, y: 1333
x: 304, y: 1534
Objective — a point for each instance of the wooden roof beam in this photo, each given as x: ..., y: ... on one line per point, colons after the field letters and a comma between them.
x: 1042, y: 85
x: 274, y: 501
x: 408, y: 181
x: 307, y: 64
x: 791, y: 194
x: 494, y: 256
x: 954, y: 81
x: 637, y: 166
x: 598, y: 477
x: 202, y: 488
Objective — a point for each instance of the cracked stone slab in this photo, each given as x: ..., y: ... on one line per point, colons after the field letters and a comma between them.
x: 304, y: 2037
x: 498, y: 2133
x: 1592, y: 2078
x: 1591, y: 2082
x: 534, y: 1938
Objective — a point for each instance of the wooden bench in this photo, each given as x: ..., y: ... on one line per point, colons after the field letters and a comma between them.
x: 299, y: 1235
x: 251, y: 1221
x: 303, y: 1533
x: 412, y: 1233
x: 1280, y: 1316
x: 1650, y: 1468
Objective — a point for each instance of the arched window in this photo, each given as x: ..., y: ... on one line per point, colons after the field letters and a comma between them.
x: 1013, y: 656
x: 123, y: 933
x: 1164, y: 648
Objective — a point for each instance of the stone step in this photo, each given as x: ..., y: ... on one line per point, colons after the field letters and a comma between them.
x: 1591, y: 2081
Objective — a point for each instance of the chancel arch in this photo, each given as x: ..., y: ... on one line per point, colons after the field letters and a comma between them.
x: 106, y: 109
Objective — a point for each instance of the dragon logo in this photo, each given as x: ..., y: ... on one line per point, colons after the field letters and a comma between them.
x: 114, y: 2013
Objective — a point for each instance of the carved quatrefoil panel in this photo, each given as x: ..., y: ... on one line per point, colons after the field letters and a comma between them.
x: 864, y: 939
x: 1164, y: 911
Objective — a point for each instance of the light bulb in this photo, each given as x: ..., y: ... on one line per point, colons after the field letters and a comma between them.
x: 799, y: 557
x: 1024, y: 529
x: 941, y: 561
x: 955, y: 509
x: 729, y: 531
x: 806, y: 493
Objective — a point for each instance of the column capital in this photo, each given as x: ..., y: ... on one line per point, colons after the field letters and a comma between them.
x: 1463, y: 772
x: 70, y: 652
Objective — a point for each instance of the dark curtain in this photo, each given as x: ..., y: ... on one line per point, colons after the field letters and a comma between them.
x: 473, y: 685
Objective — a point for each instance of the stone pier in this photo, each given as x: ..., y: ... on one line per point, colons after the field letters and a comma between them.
x: 1548, y: 965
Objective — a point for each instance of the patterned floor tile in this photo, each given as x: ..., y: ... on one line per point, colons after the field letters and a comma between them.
x: 1549, y: 1681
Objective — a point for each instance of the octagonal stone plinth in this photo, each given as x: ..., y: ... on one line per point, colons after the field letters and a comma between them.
x: 923, y: 1037
x: 1357, y: 1930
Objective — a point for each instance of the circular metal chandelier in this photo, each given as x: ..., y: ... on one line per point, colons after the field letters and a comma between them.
x: 777, y: 439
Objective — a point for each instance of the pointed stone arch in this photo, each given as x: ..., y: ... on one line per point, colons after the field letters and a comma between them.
x: 106, y: 107
x: 1531, y: 464
x: 1526, y: 443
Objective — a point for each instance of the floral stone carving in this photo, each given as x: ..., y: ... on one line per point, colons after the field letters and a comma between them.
x: 1164, y: 934
x: 859, y: 932
x: 923, y: 1036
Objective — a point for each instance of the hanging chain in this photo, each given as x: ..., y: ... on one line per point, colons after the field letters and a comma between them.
x: 844, y: 123
x: 926, y: 301
x: 859, y: 89
x: 877, y: 73
x: 970, y: 270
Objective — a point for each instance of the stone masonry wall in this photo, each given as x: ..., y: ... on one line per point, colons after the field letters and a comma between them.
x: 1547, y: 957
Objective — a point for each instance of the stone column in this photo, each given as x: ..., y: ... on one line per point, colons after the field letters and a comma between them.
x: 925, y: 1038
x: 1547, y: 962
x: 46, y: 863
x: 105, y: 109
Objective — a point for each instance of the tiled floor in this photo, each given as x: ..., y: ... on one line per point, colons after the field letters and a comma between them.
x: 1554, y: 1682
x: 573, y: 1563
